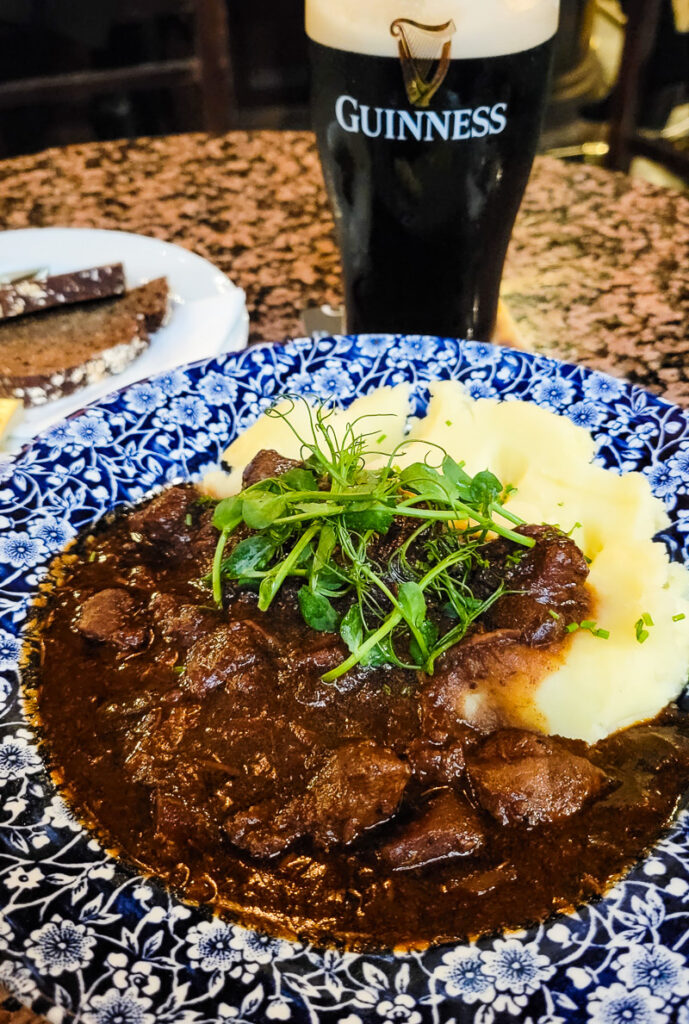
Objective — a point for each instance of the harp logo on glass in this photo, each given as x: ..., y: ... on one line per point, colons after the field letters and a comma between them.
x: 425, y: 55
x: 425, y: 52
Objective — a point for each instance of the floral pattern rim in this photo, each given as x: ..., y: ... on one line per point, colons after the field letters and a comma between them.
x: 83, y: 938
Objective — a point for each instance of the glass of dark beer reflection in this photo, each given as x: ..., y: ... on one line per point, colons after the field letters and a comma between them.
x: 427, y: 115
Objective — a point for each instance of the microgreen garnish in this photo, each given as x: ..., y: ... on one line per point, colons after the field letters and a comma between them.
x: 322, y: 525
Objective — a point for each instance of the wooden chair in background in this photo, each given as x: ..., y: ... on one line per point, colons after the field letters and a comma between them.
x: 626, y: 141
x: 206, y: 70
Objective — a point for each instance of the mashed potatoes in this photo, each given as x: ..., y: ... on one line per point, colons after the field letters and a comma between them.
x: 604, y: 684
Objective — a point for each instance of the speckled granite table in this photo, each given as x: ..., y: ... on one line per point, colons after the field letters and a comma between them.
x: 597, y: 269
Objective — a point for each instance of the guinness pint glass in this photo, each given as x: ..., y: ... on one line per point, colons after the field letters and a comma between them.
x: 427, y: 115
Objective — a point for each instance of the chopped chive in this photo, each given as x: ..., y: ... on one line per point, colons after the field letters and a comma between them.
x: 448, y: 423
x: 553, y: 615
x: 678, y: 618
x: 178, y: 670
x: 92, y: 558
x: 188, y: 520
x: 641, y: 634
x: 648, y: 621
x: 602, y: 634
x: 381, y: 438
x: 573, y: 627
x: 588, y: 624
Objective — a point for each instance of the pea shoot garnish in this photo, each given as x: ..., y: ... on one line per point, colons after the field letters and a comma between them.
x: 324, y: 524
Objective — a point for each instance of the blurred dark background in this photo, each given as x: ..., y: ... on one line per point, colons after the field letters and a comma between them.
x: 84, y: 70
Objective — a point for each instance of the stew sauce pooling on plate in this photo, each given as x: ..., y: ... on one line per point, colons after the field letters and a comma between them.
x: 204, y: 745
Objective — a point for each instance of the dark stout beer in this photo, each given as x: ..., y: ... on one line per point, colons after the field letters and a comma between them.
x: 425, y: 156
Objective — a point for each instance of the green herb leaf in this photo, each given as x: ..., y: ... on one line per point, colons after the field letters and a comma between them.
x: 318, y: 612
x: 485, y: 489
x: 268, y: 589
x: 352, y: 629
x: 274, y: 580
x: 317, y: 508
x: 261, y: 510
x: 423, y: 479
x: 412, y: 602
x: 299, y: 480
x: 369, y: 518
x: 429, y: 632
x: 457, y: 475
x: 326, y: 545
x: 251, y: 553
x: 379, y: 654
x: 228, y: 513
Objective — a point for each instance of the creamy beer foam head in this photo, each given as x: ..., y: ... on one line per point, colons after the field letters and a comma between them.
x: 485, y: 28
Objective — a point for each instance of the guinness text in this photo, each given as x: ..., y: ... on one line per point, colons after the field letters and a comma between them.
x: 420, y: 125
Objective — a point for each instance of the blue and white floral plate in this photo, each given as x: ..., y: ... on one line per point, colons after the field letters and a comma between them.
x: 81, y: 938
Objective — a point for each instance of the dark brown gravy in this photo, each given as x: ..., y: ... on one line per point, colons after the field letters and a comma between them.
x: 158, y: 770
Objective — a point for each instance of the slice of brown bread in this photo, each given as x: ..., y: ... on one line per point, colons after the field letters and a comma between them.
x: 32, y: 296
x: 46, y: 357
x: 150, y: 301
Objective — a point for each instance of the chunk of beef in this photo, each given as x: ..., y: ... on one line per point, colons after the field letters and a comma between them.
x: 549, y: 577
x: 648, y: 750
x: 523, y: 778
x: 175, y: 821
x: 317, y: 656
x: 253, y: 756
x: 264, y: 830
x: 266, y: 464
x: 163, y: 521
x: 436, y: 765
x: 204, y: 540
x: 182, y: 623
x: 152, y: 754
x: 382, y: 546
x: 448, y: 827
x: 112, y: 616
x: 360, y: 785
x: 458, y: 695
x: 222, y: 658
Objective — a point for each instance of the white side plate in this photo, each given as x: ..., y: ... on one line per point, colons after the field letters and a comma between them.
x: 208, y: 313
